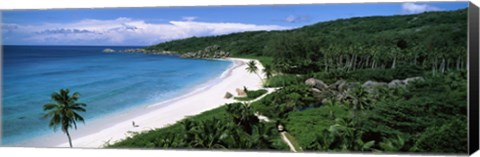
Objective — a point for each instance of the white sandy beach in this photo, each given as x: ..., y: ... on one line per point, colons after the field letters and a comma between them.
x: 95, y: 134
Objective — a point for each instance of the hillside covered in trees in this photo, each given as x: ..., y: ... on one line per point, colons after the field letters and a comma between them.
x: 369, y: 84
x: 434, y: 40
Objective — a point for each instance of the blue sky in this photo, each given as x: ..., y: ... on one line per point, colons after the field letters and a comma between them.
x: 147, y: 26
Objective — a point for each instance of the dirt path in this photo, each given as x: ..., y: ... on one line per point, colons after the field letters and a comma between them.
x: 266, y: 119
x: 283, y: 134
x: 269, y: 90
x: 286, y: 140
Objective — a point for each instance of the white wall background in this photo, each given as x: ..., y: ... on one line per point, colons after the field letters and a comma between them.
x: 48, y: 4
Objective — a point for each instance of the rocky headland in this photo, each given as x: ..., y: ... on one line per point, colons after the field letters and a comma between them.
x: 213, y: 51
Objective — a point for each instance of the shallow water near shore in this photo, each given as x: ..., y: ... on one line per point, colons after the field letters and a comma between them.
x: 109, y: 83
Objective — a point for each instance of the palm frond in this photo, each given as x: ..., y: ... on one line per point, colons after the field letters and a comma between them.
x: 78, y: 117
x: 75, y: 108
x: 75, y: 96
x: 55, y: 121
x: 80, y: 104
x: 50, y: 106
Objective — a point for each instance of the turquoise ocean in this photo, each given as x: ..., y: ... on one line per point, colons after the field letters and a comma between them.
x: 109, y: 83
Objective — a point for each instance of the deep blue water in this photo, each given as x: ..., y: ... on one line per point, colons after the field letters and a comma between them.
x: 109, y: 83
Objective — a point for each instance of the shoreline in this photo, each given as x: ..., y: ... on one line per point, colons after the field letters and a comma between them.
x: 118, y: 126
x: 201, y: 87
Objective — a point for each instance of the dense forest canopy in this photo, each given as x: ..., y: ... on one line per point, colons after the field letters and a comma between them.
x: 432, y: 40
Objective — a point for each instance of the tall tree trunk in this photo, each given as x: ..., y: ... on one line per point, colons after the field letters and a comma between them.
x: 339, y: 64
x: 352, y: 62
x: 69, y: 138
x: 261, y: 79
x: 326, y: 64
x: 347, y: 62
x: 394, y: 62
x: 442, y: 65
x: 366, y: 63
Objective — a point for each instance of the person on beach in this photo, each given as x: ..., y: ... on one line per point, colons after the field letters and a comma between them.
x: 133, y: 124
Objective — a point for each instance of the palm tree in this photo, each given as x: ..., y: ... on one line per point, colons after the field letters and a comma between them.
x: 268, y: 70
x: 261, y: 135
x: 252, y: 68
x: 243, y: 116
x: 359, y: 98
x: 63, y: 112
x: 207, y: 134
x: 322, y: 141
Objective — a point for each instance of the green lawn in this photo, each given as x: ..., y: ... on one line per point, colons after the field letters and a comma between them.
x: 251, y: 95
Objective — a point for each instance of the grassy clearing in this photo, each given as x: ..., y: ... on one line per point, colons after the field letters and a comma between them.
x: 251, y: 95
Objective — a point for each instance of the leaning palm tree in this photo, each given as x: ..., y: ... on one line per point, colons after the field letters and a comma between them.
x: 268, y: 70
x: 252, y: 68
x: 63, y: 112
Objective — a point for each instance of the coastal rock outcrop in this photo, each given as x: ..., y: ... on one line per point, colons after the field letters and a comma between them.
x: 141, y: 50
x: 341, y: 90
x: 395, y: 84
x: 392, y: 84
x: 373, y: 84
x: 240, y: 92
x: 108, y: 50
x: 213, y: 51
x: 316, y: 83
x: 409, y: 80
x: 340, y: 85
x: 228, y: 95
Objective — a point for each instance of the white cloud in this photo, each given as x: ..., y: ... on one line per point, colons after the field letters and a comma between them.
x: 126, y: 30
x: 412, y: 8
x: 189, y: 18
x: 294, y: 19
x: 290, y: 18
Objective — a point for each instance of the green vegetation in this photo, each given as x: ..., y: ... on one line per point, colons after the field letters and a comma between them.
x: 153, y: 138
x: 265, y: 60
x: 251, y: 95
x: 338, y: 112
x: 64, y: 112
x: 316, y: 119
x: 362, y: 75
x: 293, y: 141
x: 379, y: 42
x: 436, y: 102
x: 232, y: 126
x: 283, y: 80
x: 291, y: 98
x: 427, y: 116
